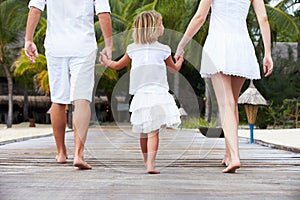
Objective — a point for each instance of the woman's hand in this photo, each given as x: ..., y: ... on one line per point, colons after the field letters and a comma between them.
x: 179, y: 53
x: 268, y: 65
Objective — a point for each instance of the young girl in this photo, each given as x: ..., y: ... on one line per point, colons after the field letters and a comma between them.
x: 152, y: 106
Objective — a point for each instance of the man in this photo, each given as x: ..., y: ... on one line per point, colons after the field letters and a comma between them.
x: 71, y: 48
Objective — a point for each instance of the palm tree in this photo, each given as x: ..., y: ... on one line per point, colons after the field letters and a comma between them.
x: 11, y: 11
x: 37, y: 71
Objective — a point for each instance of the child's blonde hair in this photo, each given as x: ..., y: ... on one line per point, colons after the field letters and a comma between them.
x: 147, y: 27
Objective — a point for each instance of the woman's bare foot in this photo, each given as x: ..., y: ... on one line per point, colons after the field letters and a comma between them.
x: 153, y: 171
x: 232, y: 167
x: 62, y: 159
x: 81, y: 164
x: 225, y: 162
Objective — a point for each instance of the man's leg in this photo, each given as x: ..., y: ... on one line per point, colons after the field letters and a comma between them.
x: 81, y: 120
x: 82, y: 71
x: 59, y: 120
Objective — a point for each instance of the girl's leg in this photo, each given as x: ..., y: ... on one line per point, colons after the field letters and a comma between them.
x: 143, y: 144
x: 227, y: 107
x: 152, y: 147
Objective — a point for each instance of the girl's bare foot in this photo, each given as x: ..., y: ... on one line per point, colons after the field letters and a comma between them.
x: 62, y: 159
x: 81, y: 164
x: 232, y: 167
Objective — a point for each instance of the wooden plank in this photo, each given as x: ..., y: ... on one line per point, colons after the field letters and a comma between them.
x: 189, y: 163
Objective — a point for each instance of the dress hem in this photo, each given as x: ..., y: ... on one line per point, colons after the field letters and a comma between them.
x: 208, y: 75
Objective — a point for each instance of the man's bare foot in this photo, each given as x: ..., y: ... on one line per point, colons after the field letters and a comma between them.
x: 81, y: 164
x: 232, y: 168
x: 62, y: 159
x: 153, y: 171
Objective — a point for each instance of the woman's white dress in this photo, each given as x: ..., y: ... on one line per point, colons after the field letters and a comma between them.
x: 152, y: 106
x: 228, y: 47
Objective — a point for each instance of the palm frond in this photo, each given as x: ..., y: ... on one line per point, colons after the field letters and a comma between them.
x: 23, y: 64
x: 281, y: 21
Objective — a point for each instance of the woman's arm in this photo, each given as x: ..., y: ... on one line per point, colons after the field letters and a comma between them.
x: 115, y: 64
x: 174, y: 66
x: 194, y: 26
x: 260, y: 10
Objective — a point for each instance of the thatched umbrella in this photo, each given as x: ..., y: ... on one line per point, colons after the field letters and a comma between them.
x: 252, y: 98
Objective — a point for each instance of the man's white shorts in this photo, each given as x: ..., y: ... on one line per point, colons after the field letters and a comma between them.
x: 71, y: 78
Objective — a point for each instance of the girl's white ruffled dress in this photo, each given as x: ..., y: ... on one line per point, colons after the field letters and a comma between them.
x: 152, y: 106
x: 228, y: 47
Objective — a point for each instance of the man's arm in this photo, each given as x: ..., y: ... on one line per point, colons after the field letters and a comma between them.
x: 32, y: 21
x: 106, y: 27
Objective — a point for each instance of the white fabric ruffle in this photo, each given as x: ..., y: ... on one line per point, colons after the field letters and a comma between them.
x: 151, y: 111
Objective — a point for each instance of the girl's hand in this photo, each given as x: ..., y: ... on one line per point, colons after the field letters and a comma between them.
x: 268, y: 65
x: 180, y: 59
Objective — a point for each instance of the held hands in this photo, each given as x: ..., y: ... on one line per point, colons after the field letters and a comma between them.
x: 107, y: 53
x: 179, y: 59
x: 104, y: 60
x: 31, y: 51
x: 268, y: 65
x: 179, y: 53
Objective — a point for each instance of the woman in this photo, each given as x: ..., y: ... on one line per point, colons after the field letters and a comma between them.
x: 228, y: 58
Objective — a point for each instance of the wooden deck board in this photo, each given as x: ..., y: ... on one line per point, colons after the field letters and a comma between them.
x: 189, y: 163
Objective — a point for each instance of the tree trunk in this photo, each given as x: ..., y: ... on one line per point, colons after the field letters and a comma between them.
x: 208, y: 103
x: 25, y: 104
x: 10, y: 94
x: 298, y: 50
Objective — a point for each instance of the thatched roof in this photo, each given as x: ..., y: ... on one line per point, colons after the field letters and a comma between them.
x: 252, y: 96
x: 36, y: 101
x: 39, y: 101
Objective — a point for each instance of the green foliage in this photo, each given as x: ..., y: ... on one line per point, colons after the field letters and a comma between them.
x: 282, y: 88
x: 12, y: 16
x: 195, y: 122
x: 35, y: 72
x: 279, y: 115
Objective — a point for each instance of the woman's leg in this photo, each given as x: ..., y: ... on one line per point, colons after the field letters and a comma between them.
x: 152, y: 147
x: 227, y: 107
x: 143, y: 145
x: 236, y: 85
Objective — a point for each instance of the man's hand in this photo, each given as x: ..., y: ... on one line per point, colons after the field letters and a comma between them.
x: 31, y: 51
x: 107, y: 52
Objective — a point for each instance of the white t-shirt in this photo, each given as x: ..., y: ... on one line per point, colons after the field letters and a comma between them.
x: 70, y: 25
x: 148, y: 72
